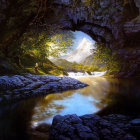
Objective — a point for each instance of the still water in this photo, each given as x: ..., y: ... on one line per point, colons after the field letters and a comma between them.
x: 80, y: 102
x: 102, y: 96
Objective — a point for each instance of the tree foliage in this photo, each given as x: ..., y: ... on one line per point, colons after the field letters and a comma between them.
x: 45, y: 44
x: 48, y: 44
x: 104, y: 55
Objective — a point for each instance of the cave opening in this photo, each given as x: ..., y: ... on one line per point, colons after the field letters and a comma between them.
x: 78, y: 58
x: 68, y: 57
x: 59, y: 51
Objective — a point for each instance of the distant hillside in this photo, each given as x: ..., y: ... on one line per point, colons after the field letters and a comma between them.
x: 88, y: 65
x: 63, y: 63
x: 90, y: 61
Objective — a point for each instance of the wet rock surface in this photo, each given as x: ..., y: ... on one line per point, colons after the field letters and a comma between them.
x: 28, y: 85
x: 93, y: 127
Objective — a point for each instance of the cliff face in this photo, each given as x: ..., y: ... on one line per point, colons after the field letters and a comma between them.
x: 115, y: 23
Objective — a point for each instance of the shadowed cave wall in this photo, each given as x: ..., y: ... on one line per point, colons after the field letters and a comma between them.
x: 115, y: 23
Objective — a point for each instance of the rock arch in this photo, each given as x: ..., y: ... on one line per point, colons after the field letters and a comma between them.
x: 115, y: 23
x: 112, y: 22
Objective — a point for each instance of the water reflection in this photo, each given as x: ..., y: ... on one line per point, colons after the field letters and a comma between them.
x: 15, y: 120
x: 74, y: 103
x: 80, y: 102
x: 123, y: 97
x: 103, y: 96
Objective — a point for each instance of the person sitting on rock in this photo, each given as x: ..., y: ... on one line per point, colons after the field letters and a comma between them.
x: 36, y: 67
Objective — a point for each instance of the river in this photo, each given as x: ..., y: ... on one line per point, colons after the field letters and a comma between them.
x: 102, y: 96
x: 80, y: 102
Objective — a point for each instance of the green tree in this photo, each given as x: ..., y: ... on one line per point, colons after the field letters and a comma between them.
x: 103, y: 54
x: 45, y: 44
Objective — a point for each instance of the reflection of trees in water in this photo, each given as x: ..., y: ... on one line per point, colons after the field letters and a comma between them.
x: 46, y: 108
x: 15, y: 120
x: 110, y: 95
x: 123, y: 97
x: 46, y: 111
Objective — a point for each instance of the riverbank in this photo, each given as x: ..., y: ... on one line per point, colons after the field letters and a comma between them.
x: 94, y: 127
x: 23, y: 86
